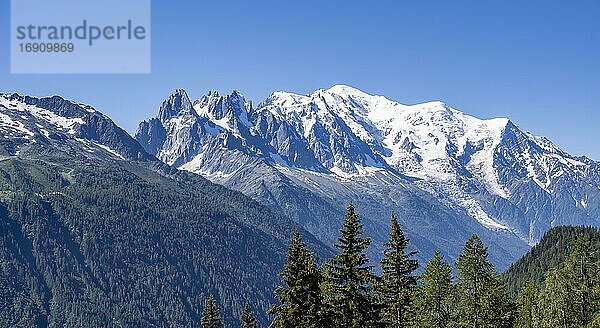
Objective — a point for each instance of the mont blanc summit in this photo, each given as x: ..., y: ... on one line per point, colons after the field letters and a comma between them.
x: 445, y: 173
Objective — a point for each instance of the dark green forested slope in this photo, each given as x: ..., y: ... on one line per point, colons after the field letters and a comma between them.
x: 346, y: 293
x: 123, y: 243
x: 551, y: 252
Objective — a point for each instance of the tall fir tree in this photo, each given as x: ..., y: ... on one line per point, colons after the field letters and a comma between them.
x: 211, y: 318
x: 555, y: 307
x: 582, y: 280
x: 300, y: 300
x: 571, y: 295
x: 397, y: 286
x: 527, y: 306
x: 482, y: 299
x: 596, y: 316
x: 435, y: 300
x: 351, y: 280
x: 327, y: 290
x: 247, y: 319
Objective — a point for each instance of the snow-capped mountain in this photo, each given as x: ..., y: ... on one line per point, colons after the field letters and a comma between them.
x: 446, y: 174
x: 35, y: 126
x: 90, y: 224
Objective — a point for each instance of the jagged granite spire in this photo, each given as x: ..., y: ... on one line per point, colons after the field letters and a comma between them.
x: 176, y: 103
x: 445, y: 173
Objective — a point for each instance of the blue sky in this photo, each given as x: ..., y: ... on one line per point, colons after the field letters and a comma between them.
x: 536, y: 62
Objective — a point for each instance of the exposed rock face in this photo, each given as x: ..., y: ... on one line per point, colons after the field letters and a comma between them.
x: 29, y: 121
x: 91, y: 224
x: 445, y: 173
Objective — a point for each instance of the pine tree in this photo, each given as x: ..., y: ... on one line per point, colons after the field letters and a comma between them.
x: 398, y: 282
x: 328, y: 292
x: 436, y: 293
x: 211, y: 318
x: 300, y: 299
x: 582, y: 279
x: 570, y: 297
x: 554, y: 304
x: 248, y: 320
x: 351, y: 278
x: 596, y: 316
x: 527, y: 306
x: 482, y: 297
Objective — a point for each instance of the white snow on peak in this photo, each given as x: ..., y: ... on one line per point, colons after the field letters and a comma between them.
x: 423, y: 140
x: 26, y: 118
x: 346, y: 90
x: 90, y: 146
x: 63, y: 123
x: 110, y: 150
x: 204, y: 111
x: 181, y: 121
x: 60, y: 122
x: 87, y: 108
x: 6, y: 121
x: 206, y: 105
x: 417, y: 137
x: 430, y: 141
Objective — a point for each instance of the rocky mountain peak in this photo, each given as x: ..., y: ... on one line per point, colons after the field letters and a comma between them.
x: 56, y: 123
x: 488, y: 170
x: 177, y: 103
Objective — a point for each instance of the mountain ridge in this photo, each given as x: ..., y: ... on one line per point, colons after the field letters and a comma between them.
x: 488, y: 170
x: 97, y: 232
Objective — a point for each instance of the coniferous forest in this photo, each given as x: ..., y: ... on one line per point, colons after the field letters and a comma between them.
x: 559, y: 283
x: 131, y: 245
x: 299, y: 164
x: 55, y: 274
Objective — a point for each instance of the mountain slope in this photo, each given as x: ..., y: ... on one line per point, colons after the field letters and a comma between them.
x: 551, y: 252
x: 446, y: 174
x: 96, y: 232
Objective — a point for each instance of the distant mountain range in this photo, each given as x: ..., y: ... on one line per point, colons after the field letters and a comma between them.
x: 96, y: 232
x: 444, y: 173
x: 103, y: 229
